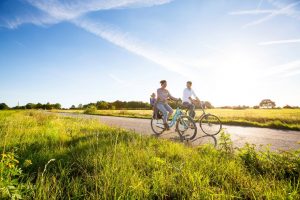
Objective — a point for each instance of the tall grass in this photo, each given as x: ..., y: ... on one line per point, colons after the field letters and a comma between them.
x: 93, y: 161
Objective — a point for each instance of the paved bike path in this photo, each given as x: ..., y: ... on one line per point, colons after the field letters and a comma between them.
x: 278, y: 139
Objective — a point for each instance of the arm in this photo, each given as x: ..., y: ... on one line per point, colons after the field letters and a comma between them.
x: 197, y: 99
x: 171, y: 97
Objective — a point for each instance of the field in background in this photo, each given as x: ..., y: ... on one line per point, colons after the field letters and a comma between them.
x: 73, y: 158
x: 272, y: 118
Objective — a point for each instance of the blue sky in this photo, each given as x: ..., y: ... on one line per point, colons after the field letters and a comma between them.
x: 72, y: 51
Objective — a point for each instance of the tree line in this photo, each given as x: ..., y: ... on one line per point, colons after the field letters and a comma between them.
x: 133, y: 105
x: 47, y: 106
x: 116, y: 105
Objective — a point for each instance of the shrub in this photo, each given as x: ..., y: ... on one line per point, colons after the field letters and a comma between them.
x: 10, y: 174
x: 90, y: 110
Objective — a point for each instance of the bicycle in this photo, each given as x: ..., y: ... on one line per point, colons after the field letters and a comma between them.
x: 185, y: 125
x: 210, y: 124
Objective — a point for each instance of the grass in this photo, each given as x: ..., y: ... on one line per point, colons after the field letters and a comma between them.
x: 288, y: 119
x: 87, y: 160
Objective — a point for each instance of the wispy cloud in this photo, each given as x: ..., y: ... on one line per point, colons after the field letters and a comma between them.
x: 70, y: 9
x: 124, y: 40
x: 292, y: 12
x: 281, y: 9
x: 280, y: 42
x: 116, y: 79
x: 259, y: 4
x: 252, y: 12
x: 73, y: 11
x: 285, y: 70
x: 284, y: 10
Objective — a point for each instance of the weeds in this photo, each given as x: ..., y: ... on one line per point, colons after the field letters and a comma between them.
x: 93, y: 161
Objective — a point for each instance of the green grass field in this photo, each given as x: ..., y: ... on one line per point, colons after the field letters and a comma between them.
x: 272, y: 118
x: 87, y: 160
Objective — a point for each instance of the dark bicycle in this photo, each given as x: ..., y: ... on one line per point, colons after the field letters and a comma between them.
x: 210, y: 124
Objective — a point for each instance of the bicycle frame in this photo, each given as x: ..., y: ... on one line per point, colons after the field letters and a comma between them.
x: 177, y: 114
x: 203, y: 113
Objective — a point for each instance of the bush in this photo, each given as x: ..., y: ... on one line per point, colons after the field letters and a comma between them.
x: 90, y: 110
x: 10, y: 174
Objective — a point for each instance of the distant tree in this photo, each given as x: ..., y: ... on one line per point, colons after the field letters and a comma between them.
x: 73, y: 107
x: 208, y: 105
x: 119, y: 104
x: 56, y: 106
x: 3, y: 106
x: 288, y: 106
x: 80, y: 106
x: 30, y: 106
x: 255, y: 107
x: 102, y: 105
x: 48, y: 106
x: 39, y: 106
x: 267, y: 103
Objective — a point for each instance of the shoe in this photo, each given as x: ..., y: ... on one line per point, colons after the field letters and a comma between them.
x: 166, y: 126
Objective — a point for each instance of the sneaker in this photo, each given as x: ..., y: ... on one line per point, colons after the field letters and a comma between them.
x: 166, y: 126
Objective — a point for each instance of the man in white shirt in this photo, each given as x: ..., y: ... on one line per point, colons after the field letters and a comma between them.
x: 187, y: 99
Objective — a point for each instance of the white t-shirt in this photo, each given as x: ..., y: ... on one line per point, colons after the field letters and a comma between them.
x: 187, y: 93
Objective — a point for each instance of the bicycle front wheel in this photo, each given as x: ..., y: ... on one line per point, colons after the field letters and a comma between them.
x: 157, y: 126
x: 186, y: 127
x: 210, y: 124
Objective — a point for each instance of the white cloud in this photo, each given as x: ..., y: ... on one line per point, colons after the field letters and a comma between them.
x: 280, y: 42
x: 251, y: 12
x: 70, y: 9
x: 282, y: 9
x: 292, y: 12
x: 288, y: 69
x: 56, y: 11
x: 124, y: 40
x: 73, y: 11
x: 116, y: 79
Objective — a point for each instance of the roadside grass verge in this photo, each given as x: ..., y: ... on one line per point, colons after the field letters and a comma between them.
x: 91, y: 161
x: 285, y: 119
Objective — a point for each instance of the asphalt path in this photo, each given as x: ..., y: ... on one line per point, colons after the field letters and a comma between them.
x: 277, y: 139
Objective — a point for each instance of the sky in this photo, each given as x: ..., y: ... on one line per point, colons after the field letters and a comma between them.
x: 74, y: 51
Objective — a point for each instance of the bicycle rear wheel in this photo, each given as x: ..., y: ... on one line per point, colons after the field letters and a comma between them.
x: 157, y: 126
x: 186, y: 127
x: 210, y: 124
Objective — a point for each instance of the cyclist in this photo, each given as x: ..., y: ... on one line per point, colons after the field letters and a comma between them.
x: 162, y: 102
x: 187, y: 100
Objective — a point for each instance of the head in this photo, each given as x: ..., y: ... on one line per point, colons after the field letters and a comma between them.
x: 189, y: 84
x: 153, y: 95
x: 163, y: 83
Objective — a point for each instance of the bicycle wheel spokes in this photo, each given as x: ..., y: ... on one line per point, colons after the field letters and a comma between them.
x: 210, y: 124
x: 186, y: 127
x: 157, y: 126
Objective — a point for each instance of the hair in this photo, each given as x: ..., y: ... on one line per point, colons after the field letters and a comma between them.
x: 189, y: 82
x: 163, y: 82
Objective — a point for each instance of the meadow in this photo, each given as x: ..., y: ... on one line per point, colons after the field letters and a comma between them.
x: 47, y: 156
x: 288, y: 119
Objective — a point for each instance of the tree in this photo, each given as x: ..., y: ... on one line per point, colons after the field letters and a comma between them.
x: 39, y: 106
x: 56, y: 106
x: 267, y: 103
x: 3, y: 106
x: 208, y: 105
x: 102, y: 105
x: 30, y: 106
x: 80, y: 106
x: 73, y: 107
